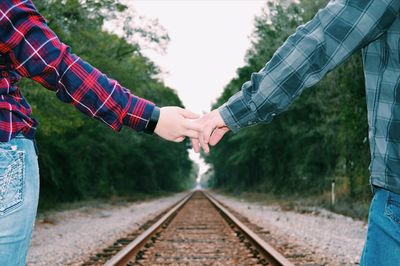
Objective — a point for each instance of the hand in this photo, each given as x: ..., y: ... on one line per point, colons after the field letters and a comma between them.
x: 213, y: 129
x: 174, y: 124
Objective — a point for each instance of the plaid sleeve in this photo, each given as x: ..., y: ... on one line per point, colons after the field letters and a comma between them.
x: 335, y: 33
x: 37, y: 53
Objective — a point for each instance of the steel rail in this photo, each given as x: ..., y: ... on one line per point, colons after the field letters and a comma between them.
x: 124, y: 255
x: 273, y: 256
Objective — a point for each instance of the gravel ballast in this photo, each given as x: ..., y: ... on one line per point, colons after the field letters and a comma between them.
x: 70, y: 237
x: 336, y: 238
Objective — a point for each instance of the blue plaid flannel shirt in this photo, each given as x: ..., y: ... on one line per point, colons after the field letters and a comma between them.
x: 336, y: 32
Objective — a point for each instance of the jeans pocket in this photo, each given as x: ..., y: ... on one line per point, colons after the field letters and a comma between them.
x: 392, y: 208
x: 11, y: 179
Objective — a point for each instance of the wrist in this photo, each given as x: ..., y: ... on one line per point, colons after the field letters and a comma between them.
x: 228, y: 119
x: 153, y: 121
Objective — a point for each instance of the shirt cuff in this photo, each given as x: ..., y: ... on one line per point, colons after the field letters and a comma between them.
x: 138, y: 115
x: 232, y: 118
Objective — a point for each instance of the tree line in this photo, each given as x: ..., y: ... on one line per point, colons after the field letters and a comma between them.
x: 322, y: 137
x: 81, y: 158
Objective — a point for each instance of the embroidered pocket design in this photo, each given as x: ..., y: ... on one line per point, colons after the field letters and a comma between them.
x: 11, y: 180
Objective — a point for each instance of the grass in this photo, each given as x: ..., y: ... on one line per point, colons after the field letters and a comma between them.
x: 344, y: 205
x: 357, y: 209
x: 46, y: 205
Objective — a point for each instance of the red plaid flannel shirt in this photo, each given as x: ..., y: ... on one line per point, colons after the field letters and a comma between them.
x: 29, y: 48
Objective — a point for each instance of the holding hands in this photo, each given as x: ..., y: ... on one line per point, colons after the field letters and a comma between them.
x: 213, y: 128
x: 175, y: 123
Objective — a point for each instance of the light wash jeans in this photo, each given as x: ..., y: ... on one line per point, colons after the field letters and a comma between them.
x: 19, y: 194
x: 382, y: 245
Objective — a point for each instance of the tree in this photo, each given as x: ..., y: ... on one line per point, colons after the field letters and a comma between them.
x: 82, y: 158
x: 321, y: 137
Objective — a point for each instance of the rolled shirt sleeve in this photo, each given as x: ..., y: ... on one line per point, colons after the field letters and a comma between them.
x: 336, y: 32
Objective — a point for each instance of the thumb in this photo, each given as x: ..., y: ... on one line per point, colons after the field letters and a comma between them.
x: 189, y: 114
x: 179, y: 139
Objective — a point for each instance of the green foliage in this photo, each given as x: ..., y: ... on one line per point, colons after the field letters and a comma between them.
x: 323, y: 135
x: 81, y: 158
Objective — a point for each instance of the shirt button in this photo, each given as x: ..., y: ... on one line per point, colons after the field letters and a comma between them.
x: 273, y: 114
x: 249, y: 123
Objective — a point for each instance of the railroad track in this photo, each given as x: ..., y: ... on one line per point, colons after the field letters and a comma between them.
x: 196, y: 231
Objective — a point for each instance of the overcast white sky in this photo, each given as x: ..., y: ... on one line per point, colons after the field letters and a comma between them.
x: 209, y: 39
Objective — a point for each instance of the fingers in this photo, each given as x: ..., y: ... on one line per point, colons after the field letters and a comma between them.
x: 204, y: 136
x: 188, y: 114
x: 204, y: 145
x: 214, y: 120
x: 196, y: 145
x: 217, y: 135
x: 208, y: 127
x: 210, y: 122
x: 207, y: 132
x: 192, y: 125
x: 193, y: 129
x: 192, y: 134
x: 176, y: 124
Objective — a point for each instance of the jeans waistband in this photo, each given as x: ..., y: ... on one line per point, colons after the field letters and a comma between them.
x: 21, y: 136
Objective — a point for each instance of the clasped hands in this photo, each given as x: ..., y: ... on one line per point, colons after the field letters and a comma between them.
x: 175, y: 124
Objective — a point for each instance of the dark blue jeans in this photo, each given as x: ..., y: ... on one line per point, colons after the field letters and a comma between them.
x: 382, y: 245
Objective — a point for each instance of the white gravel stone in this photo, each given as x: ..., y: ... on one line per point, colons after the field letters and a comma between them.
x: 333, y: 235
x: 69, y: 237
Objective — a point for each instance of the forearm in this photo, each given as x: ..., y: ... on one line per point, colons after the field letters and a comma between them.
x: 98, y: 96
x: 37, y: 53
x: 335, y: 33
